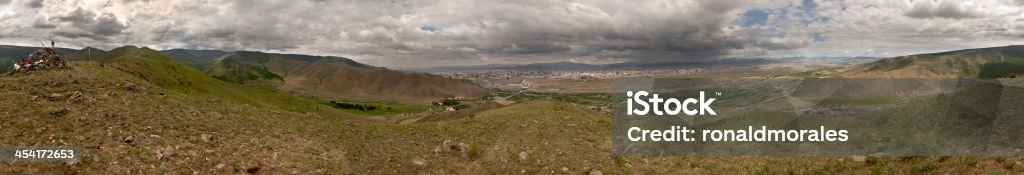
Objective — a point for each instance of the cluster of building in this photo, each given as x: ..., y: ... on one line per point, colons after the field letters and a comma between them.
x: 524, y: 79
x: 567, y: 75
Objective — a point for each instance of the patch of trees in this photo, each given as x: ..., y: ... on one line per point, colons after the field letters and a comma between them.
x: 449, y: 102
x: 360, y: 107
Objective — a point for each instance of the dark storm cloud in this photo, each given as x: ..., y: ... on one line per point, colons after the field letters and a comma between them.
x: 411, y: 32
x: 940, y: 9
x: 90, y: 24
x: 661, y: 30
x: 34, y: 3
x: 43, y: 23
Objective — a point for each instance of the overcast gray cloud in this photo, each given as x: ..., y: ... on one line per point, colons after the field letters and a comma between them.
x: 410, y: 33
x: 34, y: 4
x: 941, y: 9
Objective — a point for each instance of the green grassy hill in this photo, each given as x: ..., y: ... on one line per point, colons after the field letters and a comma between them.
x: 323, y: 76
x: 167, y: 73
x: 199, y: 59
x: 994, y: 62
x: 336, y: 77
x: 245, y: 67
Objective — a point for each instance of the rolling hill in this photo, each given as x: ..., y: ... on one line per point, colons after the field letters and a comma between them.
x: 324, y: 76
x: 169, y: 74
x: 199, y: 59
x: 336, y: 77
x: 993, y: 62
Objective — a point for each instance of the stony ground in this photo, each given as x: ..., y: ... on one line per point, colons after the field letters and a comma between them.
x: 127, y: 126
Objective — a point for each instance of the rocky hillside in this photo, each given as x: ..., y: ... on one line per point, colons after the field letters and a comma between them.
x: 129, y: 122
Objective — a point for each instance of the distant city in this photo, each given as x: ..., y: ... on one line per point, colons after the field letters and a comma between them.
x: 516, y: 79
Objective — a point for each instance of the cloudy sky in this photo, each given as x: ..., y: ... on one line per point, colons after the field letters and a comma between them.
x: 414, y: 33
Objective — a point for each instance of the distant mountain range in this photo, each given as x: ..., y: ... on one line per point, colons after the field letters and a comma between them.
x: 323, y: 76
x: 572, y: 66
x: 200, y: 59
x: 993, y: 62
x: 335, y: 77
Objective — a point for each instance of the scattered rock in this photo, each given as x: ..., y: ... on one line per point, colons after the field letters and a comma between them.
x: 130, y: 140
x: 464, y: 150
x: 253, y: 170
x: 438, y: 150
x: 447, y: 144
x: 95, y: 145
x: 76, y: 96
x: 595, y: 172
x: 58, y: 111
x: 164, y: 153
x: 419, y: 161
x: 219, y: 166
x: 314, y: 115
x: 129, y: 86
x: 206, y: 138
x: 463, y: 147
x: 859, y: 158
x: 55, y: 96
x: 523, y: 156
x: 565, y: 168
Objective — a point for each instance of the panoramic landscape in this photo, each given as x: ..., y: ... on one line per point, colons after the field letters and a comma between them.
x: 411, y: 87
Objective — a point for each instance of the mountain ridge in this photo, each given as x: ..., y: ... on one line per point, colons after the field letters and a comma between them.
x: 990, y: 62
x: 574, y: 66
x: 336, y: 77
